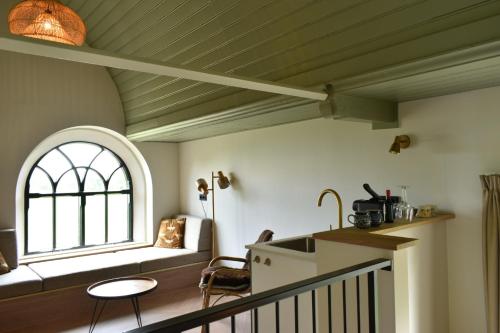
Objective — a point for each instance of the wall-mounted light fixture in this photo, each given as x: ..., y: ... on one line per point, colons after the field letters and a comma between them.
x: 400, y: 142
x: 202, y: 186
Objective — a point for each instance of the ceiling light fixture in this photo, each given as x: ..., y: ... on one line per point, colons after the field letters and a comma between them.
x: 400, y: 142
x: 48, y: 20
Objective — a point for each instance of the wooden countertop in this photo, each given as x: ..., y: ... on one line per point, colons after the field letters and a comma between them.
x: 376, y: 236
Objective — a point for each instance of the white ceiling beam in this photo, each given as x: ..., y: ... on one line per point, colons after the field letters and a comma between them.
x: 93, y: 56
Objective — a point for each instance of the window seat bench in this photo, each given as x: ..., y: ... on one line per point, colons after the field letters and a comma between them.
x: 85, y: 270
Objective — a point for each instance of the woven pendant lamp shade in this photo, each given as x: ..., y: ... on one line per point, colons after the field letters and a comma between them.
x: 47, y: 19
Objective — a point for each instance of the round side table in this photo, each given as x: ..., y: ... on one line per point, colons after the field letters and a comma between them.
x: 119, y: 288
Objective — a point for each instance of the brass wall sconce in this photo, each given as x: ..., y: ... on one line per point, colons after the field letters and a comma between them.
x: 400, y: 142
x: 202, y: 186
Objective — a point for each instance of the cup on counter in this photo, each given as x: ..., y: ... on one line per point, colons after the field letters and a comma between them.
x: 360, y: 220
x: 376, y: 217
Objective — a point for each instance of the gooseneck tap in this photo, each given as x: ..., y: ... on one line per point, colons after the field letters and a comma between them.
x: 339, y: 203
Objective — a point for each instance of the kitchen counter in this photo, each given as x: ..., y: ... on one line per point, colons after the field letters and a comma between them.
x: 289, y: 260
x: 378, y: 237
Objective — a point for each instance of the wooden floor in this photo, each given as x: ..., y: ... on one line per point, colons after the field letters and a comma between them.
x: 118, y: 316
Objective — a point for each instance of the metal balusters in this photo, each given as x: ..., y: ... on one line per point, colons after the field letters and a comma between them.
x: 344, y: 306
x: 296, y: 308
x: 277, y: 317
x: 256, y: 320
x: 233, y: 325
x: 372, y: 303
x: 329, y: 308
x: 253, y: 302
x: 313, y: 301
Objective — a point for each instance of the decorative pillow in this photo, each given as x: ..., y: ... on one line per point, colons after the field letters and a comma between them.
x: 4, y: 268
x: 171, y: 234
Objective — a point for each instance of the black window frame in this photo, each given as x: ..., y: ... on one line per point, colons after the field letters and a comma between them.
x: 82, y: 202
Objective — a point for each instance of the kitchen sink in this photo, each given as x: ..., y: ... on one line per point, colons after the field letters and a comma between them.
x: 304, y: 244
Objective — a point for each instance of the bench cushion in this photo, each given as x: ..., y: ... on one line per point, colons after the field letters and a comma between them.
x: 197, y: 233
x: 84, y: 270
x: 156, y: 258
x: 19, y: 281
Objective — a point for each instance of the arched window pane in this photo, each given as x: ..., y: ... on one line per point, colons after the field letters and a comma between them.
x: 95, y: 214
x: 39, y: 182
x: 68, y: 183
x: 93, y: 183
x: 55, y: 164
x: 105, y: 164
x: 118, y: 181
x: 67, y: 217
x: 80, y: 153
x: 40, y: 226
x: 118, y: 217
x: 71, y: 215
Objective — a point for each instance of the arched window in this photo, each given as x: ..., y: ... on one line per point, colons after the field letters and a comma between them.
x: 79, y: 194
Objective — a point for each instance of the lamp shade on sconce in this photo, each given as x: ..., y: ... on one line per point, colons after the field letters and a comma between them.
x: 48, y: 20
x: 202, y: 186
x: 222, y: 181
x: 400, y: 142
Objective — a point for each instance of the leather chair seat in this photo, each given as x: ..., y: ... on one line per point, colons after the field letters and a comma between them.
x: 226, y: 277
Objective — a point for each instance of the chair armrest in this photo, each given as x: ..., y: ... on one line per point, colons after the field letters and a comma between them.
x: 214, y: 260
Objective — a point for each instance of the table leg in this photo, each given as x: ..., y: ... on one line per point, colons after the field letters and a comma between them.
x: 95, y: 319
x: 137, y: 310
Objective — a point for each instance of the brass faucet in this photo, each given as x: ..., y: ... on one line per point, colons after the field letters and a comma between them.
x: 339, y: 203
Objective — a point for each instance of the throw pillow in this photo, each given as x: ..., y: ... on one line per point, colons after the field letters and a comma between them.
x: 171, y: 234
x: 4, y: 268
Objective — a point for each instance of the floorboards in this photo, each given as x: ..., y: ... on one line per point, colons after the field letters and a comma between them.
x: 118, y: 316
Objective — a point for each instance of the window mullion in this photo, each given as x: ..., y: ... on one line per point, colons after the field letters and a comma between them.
x: 83, y: 202
x: 106, y: 232
x: 54, y: 240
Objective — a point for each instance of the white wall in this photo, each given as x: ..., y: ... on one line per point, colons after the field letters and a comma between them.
x: 279, y: 172
x: 163, y: 163
x: 39, y: 97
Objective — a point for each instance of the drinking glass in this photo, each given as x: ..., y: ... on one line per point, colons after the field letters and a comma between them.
x: 403, y: 210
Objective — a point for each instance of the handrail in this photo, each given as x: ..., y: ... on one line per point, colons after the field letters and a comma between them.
x: 221, y: 311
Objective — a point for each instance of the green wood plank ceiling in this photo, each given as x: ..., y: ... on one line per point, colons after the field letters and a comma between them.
x: 303, y: 42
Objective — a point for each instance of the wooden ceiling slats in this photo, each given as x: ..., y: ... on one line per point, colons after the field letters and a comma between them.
x: 301, y: 42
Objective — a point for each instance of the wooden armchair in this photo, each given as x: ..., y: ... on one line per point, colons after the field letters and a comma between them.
x: 228, y: 281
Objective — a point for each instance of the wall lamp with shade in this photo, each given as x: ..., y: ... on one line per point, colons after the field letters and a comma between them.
x: 400, y: 142
x: 203, y: 189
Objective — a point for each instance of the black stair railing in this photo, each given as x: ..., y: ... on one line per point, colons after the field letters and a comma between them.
x: 203, y: 318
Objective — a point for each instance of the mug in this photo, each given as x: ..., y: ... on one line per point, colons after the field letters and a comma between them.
x: 376, y: 217
x: 361, y: 220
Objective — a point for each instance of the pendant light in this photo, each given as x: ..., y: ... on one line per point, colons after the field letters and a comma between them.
x: 47, y: 19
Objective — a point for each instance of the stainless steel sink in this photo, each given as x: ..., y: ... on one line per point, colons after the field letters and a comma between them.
x: 305, y: 244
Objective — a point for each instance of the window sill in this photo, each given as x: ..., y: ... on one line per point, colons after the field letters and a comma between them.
x: 29, y: 259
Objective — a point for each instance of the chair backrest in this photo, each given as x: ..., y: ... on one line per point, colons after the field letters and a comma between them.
x: 265, y: 236
x: 197, y: 233
x: 8, y: 246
